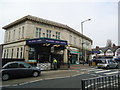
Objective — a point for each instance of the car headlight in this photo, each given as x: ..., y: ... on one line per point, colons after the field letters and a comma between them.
x: 105, y: 65
x: 37, y: 67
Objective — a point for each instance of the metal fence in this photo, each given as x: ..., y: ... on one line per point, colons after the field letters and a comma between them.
x: 102, y: 83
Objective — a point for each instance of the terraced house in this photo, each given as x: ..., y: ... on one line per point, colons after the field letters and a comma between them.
x: 36, y: 40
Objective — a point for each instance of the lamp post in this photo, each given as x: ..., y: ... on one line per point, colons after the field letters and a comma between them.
x: 82, y: 38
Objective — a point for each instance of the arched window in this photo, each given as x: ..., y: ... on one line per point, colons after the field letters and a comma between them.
x: 117, y: 52
x: 109, y: 52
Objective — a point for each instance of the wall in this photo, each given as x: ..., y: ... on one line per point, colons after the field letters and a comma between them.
x: 64, y: 34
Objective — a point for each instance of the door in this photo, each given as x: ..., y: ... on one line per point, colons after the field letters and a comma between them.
x: 25, y: 70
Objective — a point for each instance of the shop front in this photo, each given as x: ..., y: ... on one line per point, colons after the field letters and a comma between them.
x: 43, y: 50
x: 74, y: 55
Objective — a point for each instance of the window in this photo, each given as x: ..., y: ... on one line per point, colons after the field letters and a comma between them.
x: 17, y: 52
x: 23, y: 32
x: 9, y: 36
x: 7, y: 53
x: 48, y: 33
x: 4, y: 54
x: 74, y: 40
x: 12, y: 53
x: 70, y: 39
x: 57, y: 35
x: 14, y: 35
x: 80, y: 42
x: 38, y: 32
x: 6, y: 35
x: 21, y: 52
x: 13, y: 65
x: 21, y: 66
x: 31, y: 53
x: 19, y: 33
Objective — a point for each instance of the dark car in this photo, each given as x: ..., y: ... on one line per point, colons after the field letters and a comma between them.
x: 19, y: 69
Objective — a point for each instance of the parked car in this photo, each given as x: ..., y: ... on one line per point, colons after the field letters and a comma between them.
x: 117, y: 59
x: 106, y: 63
x: 19, y: 69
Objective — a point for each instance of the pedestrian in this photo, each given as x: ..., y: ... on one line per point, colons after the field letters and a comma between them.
x: 69, y: 59
x: 55, y: 63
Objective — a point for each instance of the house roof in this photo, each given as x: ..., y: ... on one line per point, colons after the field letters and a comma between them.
x: 104, y: 49
x: 40, y: 20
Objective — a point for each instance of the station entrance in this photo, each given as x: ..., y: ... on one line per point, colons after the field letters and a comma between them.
x: 44, y: 52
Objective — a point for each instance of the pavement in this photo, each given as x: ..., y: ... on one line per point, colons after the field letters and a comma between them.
x: 74, y: 70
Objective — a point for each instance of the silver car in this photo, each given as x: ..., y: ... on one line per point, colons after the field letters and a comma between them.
x: 106, y: 63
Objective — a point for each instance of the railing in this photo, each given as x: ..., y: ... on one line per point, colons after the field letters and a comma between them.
x: 102, y: 83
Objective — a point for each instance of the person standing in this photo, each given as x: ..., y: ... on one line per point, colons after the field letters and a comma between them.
x: 55, y: 63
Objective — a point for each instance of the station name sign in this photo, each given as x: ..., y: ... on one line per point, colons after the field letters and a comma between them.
x: 46, y: 40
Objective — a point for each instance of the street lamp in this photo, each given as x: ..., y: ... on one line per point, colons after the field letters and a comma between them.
x: 82, y: 37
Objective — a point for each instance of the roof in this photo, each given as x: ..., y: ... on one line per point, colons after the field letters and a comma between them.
x: 104, y: 49
x: 40, y: 20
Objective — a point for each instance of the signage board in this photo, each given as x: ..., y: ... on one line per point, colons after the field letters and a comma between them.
x: 46, y: 40
x: 32, y: 61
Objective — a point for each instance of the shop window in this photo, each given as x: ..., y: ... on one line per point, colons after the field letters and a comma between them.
x: 17, y: 52
x: 12, y: 53
x: 7, y: 53
x: 31, y: 53
x: 4, y: 54
x: 21, y: 53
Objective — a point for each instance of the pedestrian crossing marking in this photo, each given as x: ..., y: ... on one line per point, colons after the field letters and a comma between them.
x: 111, y: 73
x: 102, y: 71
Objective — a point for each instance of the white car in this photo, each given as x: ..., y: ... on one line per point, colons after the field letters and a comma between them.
x: 106, y: 63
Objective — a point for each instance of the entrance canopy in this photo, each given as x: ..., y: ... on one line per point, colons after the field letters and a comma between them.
x: 46, y: 40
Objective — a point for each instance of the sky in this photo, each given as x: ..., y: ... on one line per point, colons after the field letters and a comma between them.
x: 103, y: 14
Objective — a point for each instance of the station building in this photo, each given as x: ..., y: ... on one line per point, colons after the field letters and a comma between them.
x: 34, y: 39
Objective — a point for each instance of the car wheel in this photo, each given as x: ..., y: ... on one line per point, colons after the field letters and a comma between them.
x: 117, y: 66
x: 5, y: 77
x: 98, y: 67
x: 107, y: 67
x: 35, y: 74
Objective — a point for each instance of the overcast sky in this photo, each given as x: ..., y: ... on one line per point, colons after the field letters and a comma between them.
x: 103, y: 15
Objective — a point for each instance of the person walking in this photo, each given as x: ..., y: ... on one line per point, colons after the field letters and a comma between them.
x: 55, y: 63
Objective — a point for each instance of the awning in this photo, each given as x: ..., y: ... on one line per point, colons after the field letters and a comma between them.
x: 46, y: 40
x: 96, y: 52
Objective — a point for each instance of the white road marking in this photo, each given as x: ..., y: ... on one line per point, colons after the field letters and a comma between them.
x: 111, y: 72
x: 102, y: 71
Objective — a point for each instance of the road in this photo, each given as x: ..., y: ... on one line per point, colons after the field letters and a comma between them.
x: 71, y: 81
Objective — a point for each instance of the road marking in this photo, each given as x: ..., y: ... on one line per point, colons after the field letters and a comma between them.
x: 42, y: 79
x: 102, y: 71
x: 94, y: 74
x: 111, y: 72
